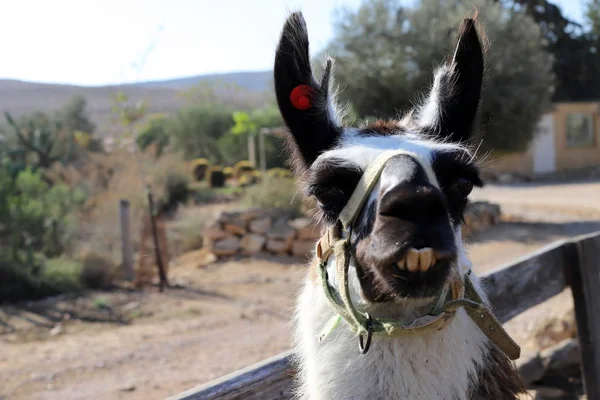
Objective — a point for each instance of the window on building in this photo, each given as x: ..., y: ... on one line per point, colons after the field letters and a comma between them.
x: 580, y: 130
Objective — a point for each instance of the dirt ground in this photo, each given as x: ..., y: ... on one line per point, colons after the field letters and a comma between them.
x: 130, y: 345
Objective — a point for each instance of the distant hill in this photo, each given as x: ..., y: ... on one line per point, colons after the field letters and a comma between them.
x: 255, y: 81
x: 19, y: 97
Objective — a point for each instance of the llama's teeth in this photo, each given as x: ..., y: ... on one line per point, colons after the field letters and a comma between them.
x: 412, y: 260
x: 426, y: 258
x: 402, y: 264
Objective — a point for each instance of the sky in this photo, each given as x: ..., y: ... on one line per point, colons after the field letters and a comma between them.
x: 99, y: 42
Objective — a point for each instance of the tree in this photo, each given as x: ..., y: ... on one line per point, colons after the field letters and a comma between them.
x: 592, y: 13
x: 233, y: 144
x: 574, y: 47
x: 385, y: 54
x: 74, y: 116
x: 195, y: 131
x: 155, y: 131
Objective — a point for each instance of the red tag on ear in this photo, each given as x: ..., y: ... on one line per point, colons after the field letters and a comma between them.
x: 300, y: 97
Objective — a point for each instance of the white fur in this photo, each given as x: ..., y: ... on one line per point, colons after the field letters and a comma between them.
x: 434, y: 365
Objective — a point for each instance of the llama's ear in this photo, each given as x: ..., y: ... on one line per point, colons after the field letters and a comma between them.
x: 451, y: 107
x: 306, y: 105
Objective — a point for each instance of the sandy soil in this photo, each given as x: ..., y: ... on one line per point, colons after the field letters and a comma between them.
x: 130, y: 345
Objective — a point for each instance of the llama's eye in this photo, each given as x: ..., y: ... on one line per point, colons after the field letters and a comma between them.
x: 463, y: 187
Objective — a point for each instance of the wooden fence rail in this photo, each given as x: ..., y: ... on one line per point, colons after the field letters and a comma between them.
x: 513, y: 289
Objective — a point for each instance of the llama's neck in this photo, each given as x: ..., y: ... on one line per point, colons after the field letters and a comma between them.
x: 443, y: 365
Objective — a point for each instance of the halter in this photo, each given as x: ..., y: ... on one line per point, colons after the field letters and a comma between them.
x: 458, y: 292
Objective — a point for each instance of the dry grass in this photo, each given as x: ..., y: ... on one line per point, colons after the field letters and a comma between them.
x: 109, y: 178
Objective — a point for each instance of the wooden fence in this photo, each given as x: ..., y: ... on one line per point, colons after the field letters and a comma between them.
x: 512, y: 289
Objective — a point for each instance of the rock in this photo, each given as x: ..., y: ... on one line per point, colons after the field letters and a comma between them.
x: 252, y: 244
x: 127, y: 388
x: 279, y: 246
x: 227, y: 247
x: 252, y: 214
x: 214, y: 232
x: 199, y: 258
x: 303, y: 247
x: 236, y: 227
x: 282, y: 230
x: 57, y: 330
x: 306, y: 228
x: 531, y: 368
x: 561, y: 357
x: 260, y: 225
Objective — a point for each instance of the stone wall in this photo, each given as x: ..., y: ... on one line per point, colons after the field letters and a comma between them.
x: 272, y: 231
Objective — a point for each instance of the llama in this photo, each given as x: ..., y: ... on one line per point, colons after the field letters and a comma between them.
x: 401, y: 254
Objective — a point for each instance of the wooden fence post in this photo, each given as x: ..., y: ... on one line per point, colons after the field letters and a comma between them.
x: 583, y: 275
x: 126, y: 240
x: 159, y: 262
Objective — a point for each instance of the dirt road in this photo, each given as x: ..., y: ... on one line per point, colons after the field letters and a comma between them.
x: 226, y: 316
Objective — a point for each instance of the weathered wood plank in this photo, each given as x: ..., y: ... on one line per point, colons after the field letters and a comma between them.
x: 583, y: 275
x: 270, y: 379
x: 531, y: 280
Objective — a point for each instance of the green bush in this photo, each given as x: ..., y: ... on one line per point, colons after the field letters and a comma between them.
x: 215, y: 177
x: 20, y: 282
x: 274, y: 193
x: 35, y: 216
x: 63, y: 273
x: 177, y: 189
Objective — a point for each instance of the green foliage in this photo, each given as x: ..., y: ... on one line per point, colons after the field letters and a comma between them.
x: 274, y: 192
x: 574, y: 46
x: 35, y: 215
x: 154, y: 132
x: 244, y: 125
x: 215, y: 177
x: 74, y: 116
x: 126, y: 113
x: 234, y: 144
x: 63, y: 273
x: 195, y: 131
x: 385, y: 53
x: 592, y: 13
x: 177, y: 189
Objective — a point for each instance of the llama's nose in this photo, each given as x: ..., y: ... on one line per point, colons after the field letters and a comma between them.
x: 413, y: 202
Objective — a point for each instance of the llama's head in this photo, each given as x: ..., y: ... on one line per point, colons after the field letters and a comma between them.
x: 407, y: 236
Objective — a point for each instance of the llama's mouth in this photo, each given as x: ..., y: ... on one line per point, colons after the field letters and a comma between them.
x: 412, y: 273
x: 421, y: 260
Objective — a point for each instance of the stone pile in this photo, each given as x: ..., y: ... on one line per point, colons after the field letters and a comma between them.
x: 274, y: 231
x: 259, y: 230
